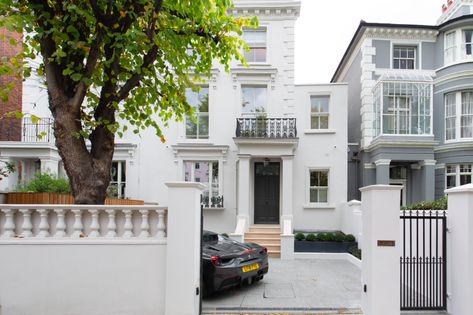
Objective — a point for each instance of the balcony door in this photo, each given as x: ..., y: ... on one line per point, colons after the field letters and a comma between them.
x: 267, y: 192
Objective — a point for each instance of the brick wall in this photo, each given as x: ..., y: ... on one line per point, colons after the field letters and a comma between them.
x: 10, y: 128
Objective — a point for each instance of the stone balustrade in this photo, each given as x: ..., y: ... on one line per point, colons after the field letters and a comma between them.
x: 82, y: 221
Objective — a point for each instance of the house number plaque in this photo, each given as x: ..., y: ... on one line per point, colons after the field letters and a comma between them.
x: 386, y: 243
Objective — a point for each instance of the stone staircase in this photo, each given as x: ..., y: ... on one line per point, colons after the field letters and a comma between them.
x: 267, y: 235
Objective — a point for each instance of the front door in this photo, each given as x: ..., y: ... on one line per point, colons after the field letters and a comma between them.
x: 267, y: 193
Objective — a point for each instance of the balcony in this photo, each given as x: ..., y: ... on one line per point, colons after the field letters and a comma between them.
x: 266, y: 128
x: 25, y: 130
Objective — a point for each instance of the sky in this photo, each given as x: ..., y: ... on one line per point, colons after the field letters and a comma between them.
x: 325, y: 28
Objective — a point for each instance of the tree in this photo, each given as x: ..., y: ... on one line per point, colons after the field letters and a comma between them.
x: 5, y: 169
x: 110, y: 65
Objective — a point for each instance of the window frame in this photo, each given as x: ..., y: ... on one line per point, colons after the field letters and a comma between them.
x: 457, y: 173
x: 266, y: 95
x: 256, y: 45
x: 464, y: 44
x: 320, y: 114
x: 120, y: 182
x: 416, y: 59
x: 454, y: 48
x: 459, y: 115
x: 210, y: 183
x: 309, y: 187
x: 198, y: 114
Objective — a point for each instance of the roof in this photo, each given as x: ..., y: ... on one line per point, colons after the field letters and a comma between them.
x: 364, y: 25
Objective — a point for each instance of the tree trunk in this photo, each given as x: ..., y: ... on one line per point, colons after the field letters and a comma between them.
x: 88, y: 172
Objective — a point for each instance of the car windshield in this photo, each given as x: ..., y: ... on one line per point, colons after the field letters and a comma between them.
x: 210, y: 238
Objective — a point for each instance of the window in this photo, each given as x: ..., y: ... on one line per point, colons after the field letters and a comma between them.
x: 450, y: 116
x: 467, y: 36
x: 459, y: 115
x: 318, y: 191
x: 404, y: 57
x: 253, y: 99
x: 205, y: 172
x: 458, y: 175
x: 467, y: 115
x: 319, y: 112
x: 256, y: 41
x: 117, y: 180
x: 197, y: 127
x: 402, y: 108
x: 450, y: 47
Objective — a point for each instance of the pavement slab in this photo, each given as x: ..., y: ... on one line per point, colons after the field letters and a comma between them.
x: 309, y: 286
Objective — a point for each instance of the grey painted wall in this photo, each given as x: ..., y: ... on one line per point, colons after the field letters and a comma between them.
x: 428, y: 55
x: 439, y: 182
x: 383, y: 53
x: 354, y: 102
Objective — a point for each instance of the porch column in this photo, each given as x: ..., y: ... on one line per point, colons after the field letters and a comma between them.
x: 382, y: 171
x: 287, y: 234
x: 243, y: 194
x: 428, y: 179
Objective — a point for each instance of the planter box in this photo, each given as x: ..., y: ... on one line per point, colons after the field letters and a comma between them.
x: 322, y: 247
x: 59, y: 199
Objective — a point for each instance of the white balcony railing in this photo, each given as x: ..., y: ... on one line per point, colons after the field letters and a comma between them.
x: 82, y: 221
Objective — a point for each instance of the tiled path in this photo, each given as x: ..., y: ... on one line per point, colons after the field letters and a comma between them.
x: 297, y: 286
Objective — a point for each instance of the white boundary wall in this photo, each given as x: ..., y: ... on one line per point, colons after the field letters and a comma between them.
x: 100, y: 260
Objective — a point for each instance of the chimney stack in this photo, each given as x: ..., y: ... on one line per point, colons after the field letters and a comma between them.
x: 444, y: 8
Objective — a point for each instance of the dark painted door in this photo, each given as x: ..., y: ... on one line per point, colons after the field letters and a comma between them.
x: 267, y: 193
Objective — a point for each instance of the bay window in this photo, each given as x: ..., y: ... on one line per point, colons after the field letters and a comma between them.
x: 197, y: 126
x: 458, y: 175
x: 450, y: 47
x: 467, y: 36
x: 459, y: 115
x: 402, y: 108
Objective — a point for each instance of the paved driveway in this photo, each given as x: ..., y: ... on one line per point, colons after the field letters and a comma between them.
x: 322, y: 286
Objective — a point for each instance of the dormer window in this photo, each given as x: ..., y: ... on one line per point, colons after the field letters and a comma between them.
x: 404, y: 57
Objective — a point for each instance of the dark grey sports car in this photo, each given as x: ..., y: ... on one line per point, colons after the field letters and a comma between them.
x: 228, y: 263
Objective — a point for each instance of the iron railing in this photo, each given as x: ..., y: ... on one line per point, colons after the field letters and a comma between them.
x: 424, y: 260
x: 272, y: 128
x: 37, y: 131
x: 211, y: 202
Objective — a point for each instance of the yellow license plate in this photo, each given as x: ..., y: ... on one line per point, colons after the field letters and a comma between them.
x: 250, y: 267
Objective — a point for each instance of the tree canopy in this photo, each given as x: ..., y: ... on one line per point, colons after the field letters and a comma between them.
x: 109, y: 59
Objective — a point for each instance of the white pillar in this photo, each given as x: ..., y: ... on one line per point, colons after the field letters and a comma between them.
x: 381, y: 249
x: 460, y: 226
x: 50, y: 166
x: 244, y: 192
x: 287, y: 234
x: 183, y: 248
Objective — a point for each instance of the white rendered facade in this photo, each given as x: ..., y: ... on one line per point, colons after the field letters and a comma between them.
x: 146, y: 163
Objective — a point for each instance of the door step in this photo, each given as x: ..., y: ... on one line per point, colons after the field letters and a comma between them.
x: 266, y: 235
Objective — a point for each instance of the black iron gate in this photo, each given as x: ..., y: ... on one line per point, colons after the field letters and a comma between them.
x: 424, y: 260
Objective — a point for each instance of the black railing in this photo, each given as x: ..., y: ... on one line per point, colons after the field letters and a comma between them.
x: 424, y: 260
x: 37, y: 130
x: 273, y: 128
x: 212, y: 202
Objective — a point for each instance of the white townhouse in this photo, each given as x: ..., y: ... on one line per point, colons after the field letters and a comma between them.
x: 268, y: 151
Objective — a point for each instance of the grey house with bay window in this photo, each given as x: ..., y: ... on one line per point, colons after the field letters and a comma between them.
x: 410, y: 106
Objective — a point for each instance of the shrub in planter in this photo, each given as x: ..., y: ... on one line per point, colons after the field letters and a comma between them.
x: 349, y: 238
x: 299, y: 237
x: 325, y: 237
x: 311, y: 237
x: 43, y: 182
x: 338, y: 237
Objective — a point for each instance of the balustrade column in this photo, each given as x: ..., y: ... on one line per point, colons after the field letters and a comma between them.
x: 94, y: 224
x: 161, y: 225
x: 43, y: 223
x: 112, y: 226
x: 61, y: 223
x: 144, y: 223
x: 77, y: 223
x: 128, y: 227
x: 9, y: 226
x: 27, y: 226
